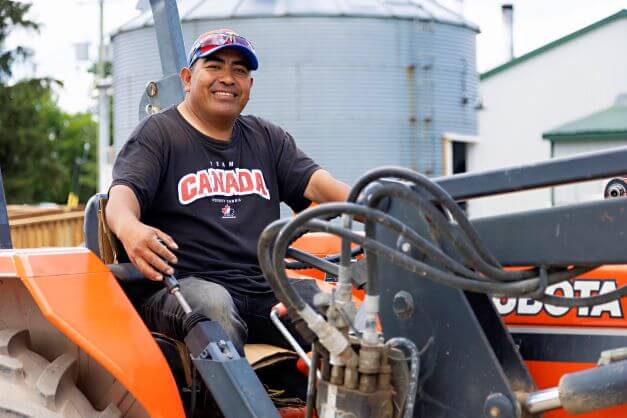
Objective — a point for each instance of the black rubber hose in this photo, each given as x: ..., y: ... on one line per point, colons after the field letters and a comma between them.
x: 427, y: 248
x: 519, y: 288
x: 265, y: 246
x: 305, y: 221
x: 584, y: 301
x: 284, y: 293
x: 439, y: 193
x: 311, y: 381
x: 441, y: 224
x: 297, y: 223
x: 330, y: 210
x: 425, y: 270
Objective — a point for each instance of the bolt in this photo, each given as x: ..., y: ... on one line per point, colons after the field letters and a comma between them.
x: 498, y: 405
x: 405, y: 247
x: 151, y: 109
x: 152, y: 89
x: 403, y: 305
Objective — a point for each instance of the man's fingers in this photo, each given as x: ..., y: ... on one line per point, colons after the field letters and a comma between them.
x: 146, y: 270
x: 167, y: 240
x: 162, y: 251
x: 156, y: 262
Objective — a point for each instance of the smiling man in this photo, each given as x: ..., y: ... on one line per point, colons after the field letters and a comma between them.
x: 206, y: 180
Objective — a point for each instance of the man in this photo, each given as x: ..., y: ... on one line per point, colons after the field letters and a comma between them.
x: 206, y: 181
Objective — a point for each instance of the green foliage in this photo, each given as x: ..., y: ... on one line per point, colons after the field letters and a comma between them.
x: 12, y: 15
x: 41, y: 146
x: 108, y: 68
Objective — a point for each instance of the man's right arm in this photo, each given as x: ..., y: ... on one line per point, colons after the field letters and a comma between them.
x: 140, y: 241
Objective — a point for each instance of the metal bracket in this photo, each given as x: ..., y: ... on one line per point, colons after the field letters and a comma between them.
x: 161, y: 94
x: 168, y: 91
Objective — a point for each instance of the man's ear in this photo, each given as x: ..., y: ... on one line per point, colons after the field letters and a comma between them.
x: 186, y: 79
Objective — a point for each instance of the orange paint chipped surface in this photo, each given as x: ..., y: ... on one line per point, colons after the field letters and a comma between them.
x: 79, y: 296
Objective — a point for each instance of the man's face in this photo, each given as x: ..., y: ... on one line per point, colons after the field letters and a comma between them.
x: 220, y: 84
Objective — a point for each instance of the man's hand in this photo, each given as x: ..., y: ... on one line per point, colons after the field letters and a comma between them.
x: 147, y: 248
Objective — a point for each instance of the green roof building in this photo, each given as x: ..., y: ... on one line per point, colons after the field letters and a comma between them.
x: 556, y: 101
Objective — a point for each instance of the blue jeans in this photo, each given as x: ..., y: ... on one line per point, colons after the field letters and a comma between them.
x: 245, y: 318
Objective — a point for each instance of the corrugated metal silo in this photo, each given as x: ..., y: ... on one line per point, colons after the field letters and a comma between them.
x: 359, y: 83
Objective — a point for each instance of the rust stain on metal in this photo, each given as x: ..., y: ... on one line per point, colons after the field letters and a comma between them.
x: 607, y: 218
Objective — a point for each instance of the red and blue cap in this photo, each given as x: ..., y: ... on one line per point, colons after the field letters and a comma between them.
x: 213, y: 41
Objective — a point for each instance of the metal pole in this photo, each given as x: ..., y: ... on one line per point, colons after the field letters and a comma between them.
x: 169, y: 36
x: 101, y: 66
x: 544, y: 400
x: 104, y: 175
x: 103, y: 110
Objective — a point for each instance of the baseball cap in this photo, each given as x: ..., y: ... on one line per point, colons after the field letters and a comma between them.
x: 213, y: 41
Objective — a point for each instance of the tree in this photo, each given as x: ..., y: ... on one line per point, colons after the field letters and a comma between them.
x: 13, y: 15
x: 40, y: 145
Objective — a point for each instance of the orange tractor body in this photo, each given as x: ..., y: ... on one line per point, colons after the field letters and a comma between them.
x: 80, y: 297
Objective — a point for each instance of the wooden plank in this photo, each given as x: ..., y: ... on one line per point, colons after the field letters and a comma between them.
x: 63, y: 229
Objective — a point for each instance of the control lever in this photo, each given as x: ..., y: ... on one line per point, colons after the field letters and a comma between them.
x: 229, y: 377
x: 174, y: 288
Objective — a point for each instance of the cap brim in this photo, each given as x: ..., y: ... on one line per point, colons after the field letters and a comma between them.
x: 253, y: 63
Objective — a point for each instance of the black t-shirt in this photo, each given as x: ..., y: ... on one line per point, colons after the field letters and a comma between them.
x: 214, y: 197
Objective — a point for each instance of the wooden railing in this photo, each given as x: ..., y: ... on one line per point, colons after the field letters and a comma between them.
x: 46, y: 227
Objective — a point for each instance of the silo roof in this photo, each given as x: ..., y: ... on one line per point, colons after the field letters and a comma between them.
x: 189, y: 10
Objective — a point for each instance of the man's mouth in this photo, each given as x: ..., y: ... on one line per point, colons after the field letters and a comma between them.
x: 224, y: 93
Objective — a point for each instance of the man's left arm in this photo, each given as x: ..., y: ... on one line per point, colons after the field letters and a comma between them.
x: 323, y: 187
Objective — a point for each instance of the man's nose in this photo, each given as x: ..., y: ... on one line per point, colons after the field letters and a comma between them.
x: 227, y: 77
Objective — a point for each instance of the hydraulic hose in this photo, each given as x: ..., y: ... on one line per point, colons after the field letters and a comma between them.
x: 264, y: 250
x: 329, y: 337
x: 435, y: 190
x: 519, y: 288
x: 461, y: 242
x: 414, y: 371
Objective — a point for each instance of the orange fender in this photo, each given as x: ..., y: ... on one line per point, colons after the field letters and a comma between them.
x: 79, y: 296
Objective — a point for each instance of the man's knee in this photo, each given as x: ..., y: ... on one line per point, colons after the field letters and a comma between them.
x: 215, y: 302
x: 209, y: 298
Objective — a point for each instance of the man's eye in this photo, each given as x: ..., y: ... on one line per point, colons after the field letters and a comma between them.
x: 241, y: 71
x: 213, y: 67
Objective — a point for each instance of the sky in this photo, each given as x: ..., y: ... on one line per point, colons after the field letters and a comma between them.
x: 69, y: 22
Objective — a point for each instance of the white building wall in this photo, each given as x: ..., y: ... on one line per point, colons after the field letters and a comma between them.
x: 567, y: 82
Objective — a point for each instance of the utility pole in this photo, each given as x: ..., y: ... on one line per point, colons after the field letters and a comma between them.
x: 102, y: 84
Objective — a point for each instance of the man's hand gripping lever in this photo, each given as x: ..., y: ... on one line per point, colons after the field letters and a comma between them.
x: 229, y: 377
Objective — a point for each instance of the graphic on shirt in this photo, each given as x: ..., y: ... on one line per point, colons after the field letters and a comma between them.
x: 218, y: 182
x: 228, y: 212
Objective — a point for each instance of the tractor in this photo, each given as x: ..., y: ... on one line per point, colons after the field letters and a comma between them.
x: 423, y: 312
